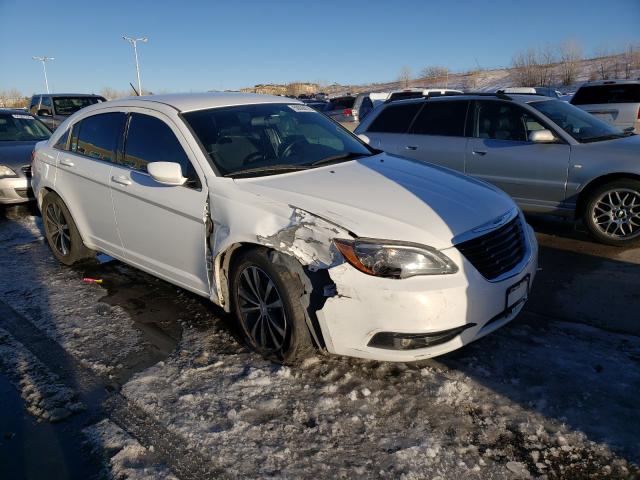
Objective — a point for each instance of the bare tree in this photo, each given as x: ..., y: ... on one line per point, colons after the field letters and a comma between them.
x: 630, y: 59
x: 404, y: 78
x: 12, y: 98
x: 569, y: 56
x: 435, y: 74
x: 111, y: 93
x: 471, y: 79
x: 534, y: 66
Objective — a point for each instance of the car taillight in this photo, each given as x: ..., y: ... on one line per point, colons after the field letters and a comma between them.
x: 638, y: 113
x: 347, y: 111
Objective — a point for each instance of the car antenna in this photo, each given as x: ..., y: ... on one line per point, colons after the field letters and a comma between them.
x: 134, y: 89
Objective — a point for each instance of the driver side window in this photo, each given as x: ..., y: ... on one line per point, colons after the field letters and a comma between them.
x: 504, y: 121
x: 148, y: 140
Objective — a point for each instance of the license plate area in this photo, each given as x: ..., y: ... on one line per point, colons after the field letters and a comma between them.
x: 517, y: 294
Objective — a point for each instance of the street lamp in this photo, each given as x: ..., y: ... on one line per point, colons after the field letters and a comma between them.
x: 134, y: 43
x: 44, y: 67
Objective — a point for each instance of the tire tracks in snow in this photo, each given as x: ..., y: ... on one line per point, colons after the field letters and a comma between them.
x: 102, y: 399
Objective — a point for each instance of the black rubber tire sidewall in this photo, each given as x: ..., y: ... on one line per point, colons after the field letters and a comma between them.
x: 78, y: 252
x: 298, y: 344
x: 630, y: 184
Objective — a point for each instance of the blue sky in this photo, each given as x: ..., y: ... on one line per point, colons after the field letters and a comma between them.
x: 224, y: 44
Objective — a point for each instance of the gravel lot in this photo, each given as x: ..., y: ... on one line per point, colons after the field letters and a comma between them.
x: 137, y: 379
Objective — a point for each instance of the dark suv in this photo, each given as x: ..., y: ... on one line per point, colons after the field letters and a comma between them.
x: 54, y: 108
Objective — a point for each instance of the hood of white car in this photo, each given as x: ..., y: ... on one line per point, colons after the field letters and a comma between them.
x: 388, y: 197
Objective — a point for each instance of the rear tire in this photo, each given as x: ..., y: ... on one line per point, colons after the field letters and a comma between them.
x: 61, y: 231
x: 612, y: 213
x: 265, y: 298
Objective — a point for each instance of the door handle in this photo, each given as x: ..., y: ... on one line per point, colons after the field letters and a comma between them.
x: 66, y: 162
x: 480, y: 153
x: 411, y: 147
x: 124, y: 181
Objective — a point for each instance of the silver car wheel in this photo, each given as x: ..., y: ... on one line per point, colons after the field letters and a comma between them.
x: 58, y: 228
x: 616, y: 213
x: 262, y: 310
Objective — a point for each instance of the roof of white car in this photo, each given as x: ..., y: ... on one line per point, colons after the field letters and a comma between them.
x: 186, y: 102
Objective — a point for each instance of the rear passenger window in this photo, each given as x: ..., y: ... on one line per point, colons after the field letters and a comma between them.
x: 441, y: 118
x: 618, y: 93
x: 395, y: 118
x: 149, y: 139
x: 97, y: 136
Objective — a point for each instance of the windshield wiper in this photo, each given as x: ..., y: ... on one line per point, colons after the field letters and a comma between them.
x: 338, y: 158
x: 267, y: 169
x: 602, y: 138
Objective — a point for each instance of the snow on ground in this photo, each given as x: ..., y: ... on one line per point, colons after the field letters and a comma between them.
x: 537, y: 398
x: 54, y: 298
x: 347, y: 418
x: 125, y: 458
x: 45, y: 396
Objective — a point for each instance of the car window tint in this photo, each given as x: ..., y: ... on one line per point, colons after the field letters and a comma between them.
x: 149, y: 139
x: 34, y: 105
x: 97, y: 136
x: 395, y: 118
x: 441, y: 118
x: 46, y: 101
x: 61, y: 144
x: 501, y: 121
x: 617, y: 93
x: 342, y: 103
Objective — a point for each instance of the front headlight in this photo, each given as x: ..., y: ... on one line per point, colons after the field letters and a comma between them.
x: 383, y: 258
x: 7, y: 172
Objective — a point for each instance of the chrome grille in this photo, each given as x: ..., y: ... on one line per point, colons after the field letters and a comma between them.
x: 497, y: 252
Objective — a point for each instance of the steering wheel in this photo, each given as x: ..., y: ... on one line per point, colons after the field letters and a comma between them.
x: 288, y: 149
x: 252, y: 157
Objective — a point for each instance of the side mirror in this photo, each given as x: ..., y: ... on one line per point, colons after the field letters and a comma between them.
x: 541, y: 136
x: 44, y: 113
x: 166, y: 173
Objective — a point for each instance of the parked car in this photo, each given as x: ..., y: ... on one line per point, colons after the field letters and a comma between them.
x: 408, y: 93
x: 614, y: 101
x: 54, y: 108
x: 548, y: 92
x: 548, y: 155
x: 316, y: 105
x: 365, y: 102
x: 341, y: 109
x: 19, y: 132
x: 307, y: 235
x: 522, y: 90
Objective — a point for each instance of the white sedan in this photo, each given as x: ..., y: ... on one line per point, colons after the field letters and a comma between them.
x: 309, y: 237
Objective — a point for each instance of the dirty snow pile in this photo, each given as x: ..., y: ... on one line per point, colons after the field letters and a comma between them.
x: 126, y: 458
x: 344, y: 418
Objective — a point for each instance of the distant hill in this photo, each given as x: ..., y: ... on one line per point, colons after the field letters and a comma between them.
x: 613, y: 66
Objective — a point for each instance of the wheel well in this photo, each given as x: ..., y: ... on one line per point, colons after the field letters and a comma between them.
x: 585, y: 193
x: 314, y: 283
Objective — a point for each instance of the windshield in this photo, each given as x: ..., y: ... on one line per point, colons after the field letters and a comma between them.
x: 271, y: 138
x: 581, y: 125
x: 21, y: 127
x: 70, y: 105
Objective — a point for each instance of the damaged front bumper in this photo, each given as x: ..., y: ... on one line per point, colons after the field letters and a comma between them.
x: 418, y: 317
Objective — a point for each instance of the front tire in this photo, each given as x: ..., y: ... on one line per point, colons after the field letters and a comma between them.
x: 265, y: 298
x: 612, y: 214
x: 61, y: 231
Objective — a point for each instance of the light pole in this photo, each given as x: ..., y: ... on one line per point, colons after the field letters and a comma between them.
x: 44, y: 67
x: 134, y: 42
